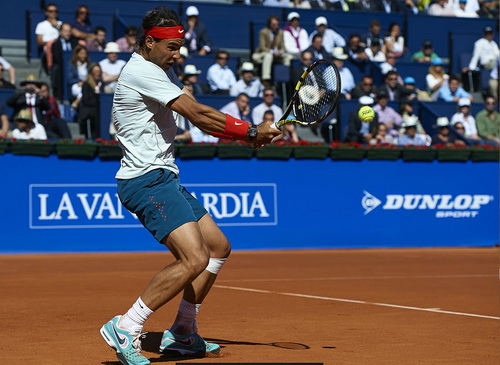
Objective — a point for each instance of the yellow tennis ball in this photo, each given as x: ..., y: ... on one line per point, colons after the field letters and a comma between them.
x: 366, y: 114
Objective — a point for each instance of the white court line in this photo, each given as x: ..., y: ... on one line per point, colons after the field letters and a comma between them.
x: 435, y: 310
x: 367, y: 278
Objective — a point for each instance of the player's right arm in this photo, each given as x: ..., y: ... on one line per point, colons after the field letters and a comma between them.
x: 212, y: 121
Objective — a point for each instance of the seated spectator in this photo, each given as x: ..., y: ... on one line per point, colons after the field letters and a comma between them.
x: 386, y: 114
x: 26, y: 128
x: 354, y: 49
x: 485, y: 53
x: 374, y: 51
x: 380, y: 136
x: 10, y: 69
x: 462, y: 12
x: 426, y: 54
x: 410, y: 91
x: 28, y: 97
x: 364, y: 88
x: 111, y: 67
x: 388, y: 6
x: 4, y: 84
x: 54, y: 125
x: 436, y: 77
x: 318, y: 51
x: 89, y: 109
x: 443, y: 135
x: 373, y: 32
x: 248, y: 83
x: 463, y: 115
x: 4, y: 122
x: 238, y: 108
x: 392, y: 86
x: 452, y: 91
x: 65, y: 43
x: 394, y: 41
x: 47, y: 32
x: 410, y: 136
x: 267, y: 104
x: 296, y: 38
x: 358, y: 131
x: 306, y: 59
x: 346, y: 77
x: 406, y: 110
x: 220, y: 77
x: 81, y: 27
x: 271, y: 49
x: 196, y: 36
x: 440, y: 8
x: 98, y: 43
x: 341, y: 5
x: 389, y: 64
x: 330, y: 38
x: 179, y: 63
x: 301, y: 4
x: 128, y: 42
x: 191, y: 76
x: 364, y: 5
x: 488, y: 121
x: 493, y: 80
x: 487, y: 9
x: 77, y: 70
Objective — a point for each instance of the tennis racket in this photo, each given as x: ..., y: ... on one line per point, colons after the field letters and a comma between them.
x: 315, y: 97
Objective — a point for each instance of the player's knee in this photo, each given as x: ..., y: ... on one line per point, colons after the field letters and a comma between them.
x: 196, y: 263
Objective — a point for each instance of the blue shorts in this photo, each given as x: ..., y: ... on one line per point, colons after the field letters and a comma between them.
x: 160, y: 202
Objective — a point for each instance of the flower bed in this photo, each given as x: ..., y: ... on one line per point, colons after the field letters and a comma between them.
x: 485, y: 153
x: 78, y: 148
x: 452, y: 153
x: 310, y: 150
x: 3, y: 146
x: 196, y: 151
x: 234, y: 150
x: 383, y: 152
x: 280, y: 150
x: 417, y: 153
x: 109, y: 149
x: 31, y: 147
x: 347, y: 151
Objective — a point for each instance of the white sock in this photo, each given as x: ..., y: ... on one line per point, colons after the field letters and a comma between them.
x: 185, y: 322
x: 134, y: 319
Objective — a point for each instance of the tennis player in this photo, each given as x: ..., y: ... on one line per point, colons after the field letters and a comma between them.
x: 145, y: 106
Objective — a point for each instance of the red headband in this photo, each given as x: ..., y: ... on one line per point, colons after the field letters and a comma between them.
x: 165, y: 32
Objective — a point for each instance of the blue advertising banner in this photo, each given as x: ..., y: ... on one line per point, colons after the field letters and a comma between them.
x: 56, y: 205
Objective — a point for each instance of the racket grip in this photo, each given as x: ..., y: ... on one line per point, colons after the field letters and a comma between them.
x: 275, y: 126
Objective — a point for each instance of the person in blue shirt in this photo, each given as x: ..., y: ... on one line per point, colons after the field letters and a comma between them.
x: 452, y: 91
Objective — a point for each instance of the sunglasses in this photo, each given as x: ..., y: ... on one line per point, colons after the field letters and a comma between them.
x: 459, y: 127
x: 367, y: 84
x: 392, y: 79
x: 52, y: 11
x: 222, y: 58
x: 268, y: 94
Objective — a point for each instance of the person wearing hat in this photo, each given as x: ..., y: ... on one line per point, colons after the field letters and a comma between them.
x: 464, y: 116
x: 271, y: 49
x: 410, y: 137
x: 426, y: 54
x: 26, y: 128
x: 387, y: 115
x: 295, y: 38
x: 247, y: 83
x: 196, y: 36
x: 374, y: 51
x: 111, y: 67
x: 452, y: 91
x: 485, y: 53
x: 331, y: 38
x: 98, y: 43
x: 191, y: 76
x: 358, y: 131
x: 346, y: 77
x: 462, y: 12
x: 444, y: 135
x: 436, y: 77
x: 28, y: 97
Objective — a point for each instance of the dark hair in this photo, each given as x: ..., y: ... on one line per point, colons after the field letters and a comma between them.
x: 316, y: 36
x: 392, y: 25
x: 221, y: 52
x: 268, y: 111
x: 391, y: 73
x: 99, y: 28
x: 271, y: 17
x: 271, y: 88
x: 160, y: 16
x: 374, y: 22
x: 243, y: 94
x: 87, y: 20
x: 454, y: 77
x: 132, y: 30
x: 49, y: 5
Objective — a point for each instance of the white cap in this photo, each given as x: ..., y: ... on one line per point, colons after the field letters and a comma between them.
x: 338, y: 53
x: 464, y: 102
x: 184, y: 52
x: 192, y: 11
x: 442, y: 122
x: 410, y: 121
x: 247, y: 66
x: 366, y: 100
x: 191, y: 70
x: 112, y: 47
x: 292, y: 15
x: 321, y: 20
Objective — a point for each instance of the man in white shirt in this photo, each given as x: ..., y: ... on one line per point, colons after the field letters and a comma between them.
x: 48, y: 30
x: 267, y: 104
x: 331, y: 38
x: 247, y: 84
x: 111, y: 67
x: 295, y: 38
x: 26, y: 128
x: 220, y: 77
x: 485, y: 52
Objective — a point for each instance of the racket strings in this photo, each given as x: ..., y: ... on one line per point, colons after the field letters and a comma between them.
x: 318, y: 92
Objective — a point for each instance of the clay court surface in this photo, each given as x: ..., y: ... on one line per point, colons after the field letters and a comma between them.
x: 399, y: 306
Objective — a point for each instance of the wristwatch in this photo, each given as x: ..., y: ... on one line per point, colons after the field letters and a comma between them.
x: 252, y: 132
